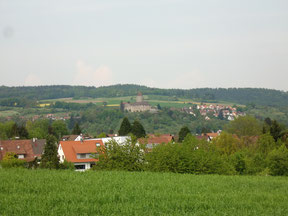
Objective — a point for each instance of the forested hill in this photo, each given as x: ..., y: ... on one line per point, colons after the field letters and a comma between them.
x: 258, y: 96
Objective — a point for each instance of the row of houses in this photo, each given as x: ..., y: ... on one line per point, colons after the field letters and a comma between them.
x: 80, y: 150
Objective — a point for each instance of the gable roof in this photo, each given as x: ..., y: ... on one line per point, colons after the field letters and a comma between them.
x: 72, y: 148
x: 38, y: 147
x: 157, y: 139
x: 28, y: 148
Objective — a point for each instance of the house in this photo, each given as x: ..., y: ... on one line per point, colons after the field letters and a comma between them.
x: 71, y: 138
x: 121, y: 140
x: 211, y: 136
x: 26, y: 150
x: 79, y: 152
x: 153, y: 140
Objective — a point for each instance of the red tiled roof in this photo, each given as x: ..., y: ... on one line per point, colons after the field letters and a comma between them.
x: 19, y: 147
x: 154, y: 139
x: 72, y: 148
x: 213, y: 135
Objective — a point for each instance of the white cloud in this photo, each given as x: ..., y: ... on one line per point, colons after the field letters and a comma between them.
x: 32, y: 80
x: 88, y: 76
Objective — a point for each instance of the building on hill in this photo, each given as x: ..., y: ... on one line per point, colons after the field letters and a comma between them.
x: 139, y: 106
x: 26, y: 150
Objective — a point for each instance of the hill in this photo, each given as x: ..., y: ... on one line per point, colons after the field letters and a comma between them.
x: 257, y: 96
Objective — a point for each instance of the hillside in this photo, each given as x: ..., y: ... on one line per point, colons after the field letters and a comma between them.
x: 257, y: 96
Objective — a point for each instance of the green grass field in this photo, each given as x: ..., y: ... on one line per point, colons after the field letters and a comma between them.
x: 45, y: 192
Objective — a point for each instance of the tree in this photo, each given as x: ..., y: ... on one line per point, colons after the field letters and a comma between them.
x: 278, y: 161
x: 38, y: 129
x: 244, y: 126
x: 138, y: 129
x: 114, y: 156
x: 184, y: 131
x: 125, y: 127
x: 226, y: 143
x: 266, y: 144
x: 275, y: 130
x: 59, y: 128
x: 102, y: 135
x: 76, y: 130
x: 50, y: 159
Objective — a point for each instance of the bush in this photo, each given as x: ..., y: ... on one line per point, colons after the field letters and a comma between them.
x: 278, y: 161
x: 67, y: 165
x: 10, y: 160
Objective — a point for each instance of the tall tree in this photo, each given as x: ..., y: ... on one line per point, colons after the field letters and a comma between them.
x: 184, y: 131
x: 138, y: 129
x: 76, y: 130
x: 50, y: 158
x: 125, y: 127
x: 275, y: 130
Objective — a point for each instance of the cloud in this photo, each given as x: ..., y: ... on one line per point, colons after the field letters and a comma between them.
x: 88, y: 76
x: 32, y: 80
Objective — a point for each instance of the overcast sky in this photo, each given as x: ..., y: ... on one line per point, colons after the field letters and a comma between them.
x: 158, y: 43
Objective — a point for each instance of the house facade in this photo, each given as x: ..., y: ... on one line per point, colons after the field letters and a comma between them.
x: 80, y: 153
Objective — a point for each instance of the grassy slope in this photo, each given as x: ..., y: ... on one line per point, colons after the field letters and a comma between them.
x: 44, y: 192
x: 164, y: 101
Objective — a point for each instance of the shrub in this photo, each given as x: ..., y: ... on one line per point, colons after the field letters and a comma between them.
x: 278, y: 161
x: 10, y: 160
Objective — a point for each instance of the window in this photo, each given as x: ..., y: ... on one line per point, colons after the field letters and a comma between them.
x: 82, y: 156
x: 20, y: 156
x: 97, y: 144
x: 80, y: 167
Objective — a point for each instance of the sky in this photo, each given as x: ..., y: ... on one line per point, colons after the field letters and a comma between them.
x: 158, y: 43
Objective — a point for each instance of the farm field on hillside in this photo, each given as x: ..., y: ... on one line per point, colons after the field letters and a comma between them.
x: 50, y: 192
x: 164, y: 101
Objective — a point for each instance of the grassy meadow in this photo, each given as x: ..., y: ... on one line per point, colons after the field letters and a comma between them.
x: 52, y: 192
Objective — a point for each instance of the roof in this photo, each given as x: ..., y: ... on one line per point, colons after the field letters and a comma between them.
x: 213, y: 135
x: 157, y: 139
x: 69, y: 137
x: 72, y: 148
x: 38, y: 146
x: 22, y: 147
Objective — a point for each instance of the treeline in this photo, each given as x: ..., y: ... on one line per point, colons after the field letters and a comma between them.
x: 38, y: 129
x: 258, y: 96
x: 237, y: 151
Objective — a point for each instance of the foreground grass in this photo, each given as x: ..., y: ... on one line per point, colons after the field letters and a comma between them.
x: 45, y: 192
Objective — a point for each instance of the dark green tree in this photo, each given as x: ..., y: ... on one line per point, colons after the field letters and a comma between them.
x: 22, y: 132
x: 138, y: 129
x: 50, y: 159
x: 184, y: 131
x: 76, y: 130
x: 275, y: 130
x: 125, y: 127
